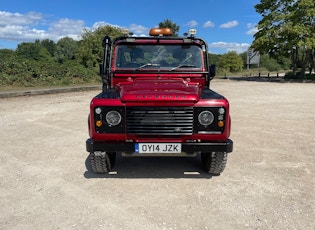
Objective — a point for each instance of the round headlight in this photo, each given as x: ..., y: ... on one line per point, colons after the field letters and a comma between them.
x: 205, y: 118
x: 113, y: 118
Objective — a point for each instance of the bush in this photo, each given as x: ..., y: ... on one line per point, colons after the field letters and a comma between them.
x: 299, y: 75
x: 28, y: 73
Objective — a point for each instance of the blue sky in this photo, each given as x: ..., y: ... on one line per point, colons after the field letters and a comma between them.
x: 226, y: 25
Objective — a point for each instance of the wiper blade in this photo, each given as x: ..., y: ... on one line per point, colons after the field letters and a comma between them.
x: 146, y: 65
x: 181, y: 66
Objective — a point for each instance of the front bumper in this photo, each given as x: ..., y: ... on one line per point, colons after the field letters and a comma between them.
x: 189, y: 148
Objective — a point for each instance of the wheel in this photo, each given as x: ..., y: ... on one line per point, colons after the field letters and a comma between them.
x: 214, y: 162
x: 102, y: 162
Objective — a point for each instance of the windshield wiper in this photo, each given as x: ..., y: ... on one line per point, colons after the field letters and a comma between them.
x: 146, y: 65
x: 182, y: 66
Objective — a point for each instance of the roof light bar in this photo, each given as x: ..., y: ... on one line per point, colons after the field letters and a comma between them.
x: 160, y: 32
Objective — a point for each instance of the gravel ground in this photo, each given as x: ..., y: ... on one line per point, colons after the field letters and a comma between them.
x: 268, y: 182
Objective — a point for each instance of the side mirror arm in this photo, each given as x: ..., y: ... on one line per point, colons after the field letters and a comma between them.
x: 104, y: 67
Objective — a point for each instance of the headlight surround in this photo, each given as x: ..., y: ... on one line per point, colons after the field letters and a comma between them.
x: 113, y: 118
x: 206, y: 118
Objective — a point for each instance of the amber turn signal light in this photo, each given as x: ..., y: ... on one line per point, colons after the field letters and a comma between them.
x: 220, y: 124
x: 98, y: 123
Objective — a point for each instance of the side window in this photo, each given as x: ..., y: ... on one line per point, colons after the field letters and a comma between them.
x: 196, y: 58
x: 122, y: 57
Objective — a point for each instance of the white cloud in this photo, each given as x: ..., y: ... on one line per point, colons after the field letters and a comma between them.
x: 192, y: 24
x: 138, y: 29
x: 250, y: 25
x: 238, y: 47
x: 230, y: 24
x: 7, y: 18
x: 96, y: 25
x: 16, y: 27
x: 19, y: 27
x: 66, y: 28
x: 252, y: 29
x: 21, y: 33
x: 28, y: 27
x: 31, y: 26
x: 208, y: 24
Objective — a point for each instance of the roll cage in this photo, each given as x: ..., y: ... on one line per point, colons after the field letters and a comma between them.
x: 170, y: 63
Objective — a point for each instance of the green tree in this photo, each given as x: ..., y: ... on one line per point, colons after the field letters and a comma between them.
x: 244, y: 58
x: 29, y: 50
x: 214, y: 58
x: 167, y: 23
x: 231, y: 62
x: 270, y: 64
x: 287, y: 28
x: 49, y: 45
x: 66, y: 49
x: 6, y: 53
x: 91, y: 51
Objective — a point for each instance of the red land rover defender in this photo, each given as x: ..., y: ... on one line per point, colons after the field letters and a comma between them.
x: 156, y: 101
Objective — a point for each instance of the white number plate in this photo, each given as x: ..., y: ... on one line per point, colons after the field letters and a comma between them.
x: 158, y: 148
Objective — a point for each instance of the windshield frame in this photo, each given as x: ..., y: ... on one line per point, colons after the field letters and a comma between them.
x: 171, y: 57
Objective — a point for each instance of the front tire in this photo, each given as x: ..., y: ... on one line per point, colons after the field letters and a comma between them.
x: 214, y: 163
x: 102, y: 162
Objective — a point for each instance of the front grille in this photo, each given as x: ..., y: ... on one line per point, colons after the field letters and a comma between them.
x: 160, y: 120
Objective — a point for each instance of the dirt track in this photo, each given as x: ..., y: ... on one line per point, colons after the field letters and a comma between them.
x: 268, y: 182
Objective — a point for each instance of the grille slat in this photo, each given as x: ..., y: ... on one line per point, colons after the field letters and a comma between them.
x: 160, y: 120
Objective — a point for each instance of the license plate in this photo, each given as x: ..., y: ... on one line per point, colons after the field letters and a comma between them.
x: 158, y: 148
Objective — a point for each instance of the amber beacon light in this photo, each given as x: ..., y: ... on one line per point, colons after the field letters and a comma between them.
x: 160, y: 32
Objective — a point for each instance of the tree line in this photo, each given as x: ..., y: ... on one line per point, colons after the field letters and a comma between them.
x: 285, y: 39
x: 44, y: 63
x: 70, y: 62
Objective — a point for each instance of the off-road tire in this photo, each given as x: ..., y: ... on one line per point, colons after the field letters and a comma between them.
x: 103, y: 163
x: 214, y: 163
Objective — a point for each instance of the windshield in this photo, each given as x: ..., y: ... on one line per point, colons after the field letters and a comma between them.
x: 168, y: 57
